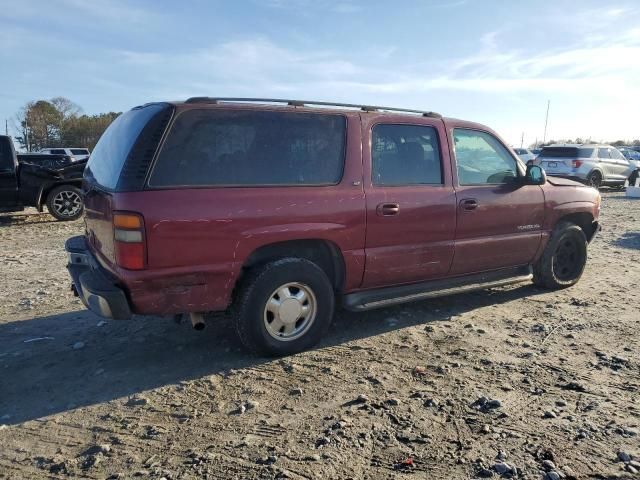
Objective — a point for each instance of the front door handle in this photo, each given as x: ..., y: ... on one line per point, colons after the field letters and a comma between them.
x: 388, y: 209
x: 469, y: 204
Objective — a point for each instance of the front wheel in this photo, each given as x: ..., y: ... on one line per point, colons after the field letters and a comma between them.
x: 65, y: 202
x: 284, y: 307
x: 563, y: 259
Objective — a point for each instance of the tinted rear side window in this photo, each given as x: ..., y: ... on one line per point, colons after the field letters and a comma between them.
x: 585, y: 152
x: 112, y: 149
x: 79, y: 151
x: 248, y: 148
x: 405, y: 155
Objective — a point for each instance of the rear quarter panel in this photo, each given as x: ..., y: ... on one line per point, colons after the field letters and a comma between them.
x: 199, y: 238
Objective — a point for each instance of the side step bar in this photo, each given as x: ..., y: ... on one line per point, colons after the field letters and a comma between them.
x: 386, y: 297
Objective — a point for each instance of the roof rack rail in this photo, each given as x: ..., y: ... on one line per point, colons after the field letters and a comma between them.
x: 302, y: 103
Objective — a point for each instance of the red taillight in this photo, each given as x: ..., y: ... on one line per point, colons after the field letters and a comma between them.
x: 128, y: 234
x: 576, y: 163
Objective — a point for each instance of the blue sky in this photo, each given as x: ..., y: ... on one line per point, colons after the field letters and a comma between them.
x: 495, y: 62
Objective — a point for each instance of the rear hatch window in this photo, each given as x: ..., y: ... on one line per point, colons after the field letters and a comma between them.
x: 113, y: 163
x: 566, y: 152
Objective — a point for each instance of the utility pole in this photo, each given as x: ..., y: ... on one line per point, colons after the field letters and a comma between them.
x: 546, y: 120
x: 26, y: 132
x: 522, y: 140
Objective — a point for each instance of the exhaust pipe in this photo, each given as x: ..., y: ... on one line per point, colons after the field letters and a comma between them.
x: 197, y: 321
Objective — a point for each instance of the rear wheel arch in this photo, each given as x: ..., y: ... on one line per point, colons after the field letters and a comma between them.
x: 324, y: 253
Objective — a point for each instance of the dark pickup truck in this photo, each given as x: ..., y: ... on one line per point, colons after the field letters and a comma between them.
x: 36, y: 180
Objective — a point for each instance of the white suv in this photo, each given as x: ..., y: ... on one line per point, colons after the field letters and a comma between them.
x: 76, y: 154
x: 593, y: 164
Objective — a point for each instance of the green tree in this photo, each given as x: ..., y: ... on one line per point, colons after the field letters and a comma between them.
x: 39, y: 125
x: 85, y: 130
x: 59, y: 122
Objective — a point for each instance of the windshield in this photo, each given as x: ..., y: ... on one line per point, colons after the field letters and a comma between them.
x: 107, y: 160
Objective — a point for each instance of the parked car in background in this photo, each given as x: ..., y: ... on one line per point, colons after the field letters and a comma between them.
x: 536, y: 151
x: 77, y: 154
x: 592, y: 164
x: 525, y: 154
x: 275, y: 212
x: 630, y: 153
x: 32, y: 184
x: 47, y: 160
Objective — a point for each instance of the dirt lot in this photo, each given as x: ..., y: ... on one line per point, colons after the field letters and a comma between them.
x: 390, y: 393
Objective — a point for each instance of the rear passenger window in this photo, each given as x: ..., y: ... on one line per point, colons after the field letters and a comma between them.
x: 405, y: 155
x: 585, y: 152
x: 79, y: 151
x: 603, y: 153
x: 58, y: 152
x: 243, y: 148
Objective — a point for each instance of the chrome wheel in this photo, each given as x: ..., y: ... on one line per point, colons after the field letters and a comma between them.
x: 290, y: 311
x: 67, y: 203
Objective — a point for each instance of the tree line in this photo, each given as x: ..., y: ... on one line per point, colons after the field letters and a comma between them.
x: 59, y: 123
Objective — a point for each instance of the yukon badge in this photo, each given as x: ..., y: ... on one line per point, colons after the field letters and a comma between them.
x: 528, y: 227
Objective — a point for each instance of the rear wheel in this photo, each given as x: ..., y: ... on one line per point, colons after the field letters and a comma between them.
x: 563, y: 259
x: 65, y: 202
x: 595, y: 179
x: 284, y: 307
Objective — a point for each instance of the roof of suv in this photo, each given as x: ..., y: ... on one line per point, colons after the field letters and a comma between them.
x: 270, y: 102
x: 315, y: 106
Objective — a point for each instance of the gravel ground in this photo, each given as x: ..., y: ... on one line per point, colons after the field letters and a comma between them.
x: 514, y: 382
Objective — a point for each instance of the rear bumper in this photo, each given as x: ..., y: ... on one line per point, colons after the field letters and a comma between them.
x: 98, y: 293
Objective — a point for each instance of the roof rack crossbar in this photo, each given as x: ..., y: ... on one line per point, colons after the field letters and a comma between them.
x: 301, y: 103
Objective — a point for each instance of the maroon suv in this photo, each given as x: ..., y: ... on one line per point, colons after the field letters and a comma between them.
x: 274, y: 209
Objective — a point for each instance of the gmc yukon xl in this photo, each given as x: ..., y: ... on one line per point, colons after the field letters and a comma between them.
x: 275, y: 211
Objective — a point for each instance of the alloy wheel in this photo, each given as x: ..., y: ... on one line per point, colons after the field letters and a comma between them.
x: 67, y: 203
x: 290, y: 311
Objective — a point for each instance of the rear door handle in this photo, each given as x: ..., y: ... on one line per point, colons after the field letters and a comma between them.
x: 469, y: 204
x: 388, y: 209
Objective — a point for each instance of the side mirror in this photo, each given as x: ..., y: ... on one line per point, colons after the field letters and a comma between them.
x: 535, y: 175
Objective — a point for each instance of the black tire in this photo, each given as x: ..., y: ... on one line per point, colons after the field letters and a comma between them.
x: 259, y: 287
x: 62, y: 202
x: 564, y: 258
x: 594, y: 179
